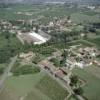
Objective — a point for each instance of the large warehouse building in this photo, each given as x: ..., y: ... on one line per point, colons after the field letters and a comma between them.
x: 33, y: 37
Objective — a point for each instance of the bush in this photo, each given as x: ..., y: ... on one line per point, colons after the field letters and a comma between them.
x: 56, y: 62
x: 1, y: 70
x: 78, y: 91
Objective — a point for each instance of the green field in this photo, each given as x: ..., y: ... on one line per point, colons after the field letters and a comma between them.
x: 33, y: 87
x: 52, y: 89
x: 16, y: 87
x: 92, y: 86
x: 2, y: 67
x: 72, y: 97
x: 96, y: 41
x: 81, y: 17
x: 48, y: 12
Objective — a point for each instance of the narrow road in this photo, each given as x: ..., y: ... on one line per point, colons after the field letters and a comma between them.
x: 7, y: 70
x: 63, y: 84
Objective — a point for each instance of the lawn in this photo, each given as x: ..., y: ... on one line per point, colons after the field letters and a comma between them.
x: 51, y: 88
x: 92, y: 87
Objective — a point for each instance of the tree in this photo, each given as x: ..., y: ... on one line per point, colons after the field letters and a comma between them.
x: 37, y: 29
x: 62, y: 62
x: 7, y: 35
x: 64, y: 55
x: 1, y: 70
x: 69, y: 17
x: 74, y: 80
x: 78, y: 91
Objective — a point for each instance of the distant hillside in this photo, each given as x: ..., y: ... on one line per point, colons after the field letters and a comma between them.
x: 43, y: 1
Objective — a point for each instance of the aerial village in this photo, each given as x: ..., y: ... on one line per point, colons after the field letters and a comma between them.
x: 54, y: 46
x: 32, y: 32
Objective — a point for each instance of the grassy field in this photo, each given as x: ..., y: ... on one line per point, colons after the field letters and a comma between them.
x: 81, y: 17
x: 91, y: 88
x: 72, y: 98
x: 96, y: 41
x: 72, y: 43
x: 52, y: 89
x: 32, y: 87
x: 2, y: 67
x: 77, y: 15
x: 16, y: 87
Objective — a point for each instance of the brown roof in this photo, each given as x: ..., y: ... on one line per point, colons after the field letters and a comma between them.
x: 59, y: 73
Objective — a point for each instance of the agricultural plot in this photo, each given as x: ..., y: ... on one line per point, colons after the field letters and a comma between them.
x: 81, y: 17
x: 21, y: 12
x: 96, y: 41
x: 51, y: 88
x: 20, y: 86
x: 91, y: 88
x: 33, y: 87
x: 47, y: 13
x: 76, y: 42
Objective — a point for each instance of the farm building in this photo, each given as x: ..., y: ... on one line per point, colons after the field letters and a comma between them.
x: 33, y: 37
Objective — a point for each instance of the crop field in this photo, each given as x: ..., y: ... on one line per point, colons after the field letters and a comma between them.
x: 50, y: 87
x: 47, y: 13
x: 83, y: 18
x: 20, y: 86
x: 96, y: 41
x: 32, y: 87
x: 91, y: 88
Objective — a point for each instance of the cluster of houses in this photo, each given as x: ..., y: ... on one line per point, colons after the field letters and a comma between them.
x: 62, y: 73
x: 32, y: 31
x: 25, y: 31
x: 82, y: 57
x: 58, y: 25
x: 77, y: 57
x: 13, y: 26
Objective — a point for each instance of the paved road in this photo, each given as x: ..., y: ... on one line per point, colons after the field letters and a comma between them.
x: 6, y: 72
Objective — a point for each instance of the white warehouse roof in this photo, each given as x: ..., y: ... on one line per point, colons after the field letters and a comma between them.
x: 36, y: 38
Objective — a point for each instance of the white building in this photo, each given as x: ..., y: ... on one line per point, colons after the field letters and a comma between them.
x: 33, y: 37
x: 40, y: 38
